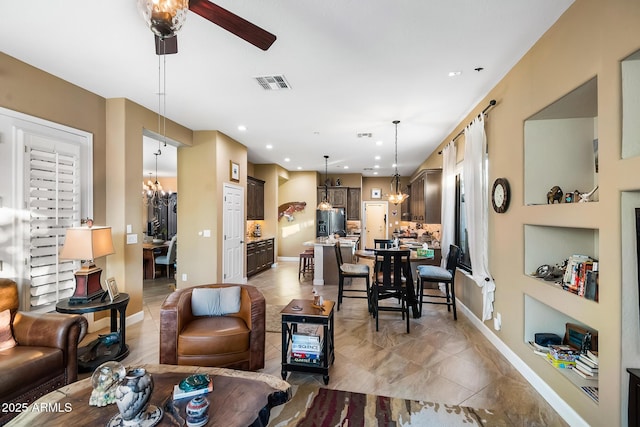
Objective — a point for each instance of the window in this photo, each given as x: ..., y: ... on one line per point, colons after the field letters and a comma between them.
x: 461, y: 235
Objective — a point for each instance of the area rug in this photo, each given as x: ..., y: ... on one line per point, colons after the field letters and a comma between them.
x: 320, y: 407
x: 273, y: 322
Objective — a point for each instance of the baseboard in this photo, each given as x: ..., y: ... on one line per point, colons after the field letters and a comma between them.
x: 557, y: 403
x: 288, y: 258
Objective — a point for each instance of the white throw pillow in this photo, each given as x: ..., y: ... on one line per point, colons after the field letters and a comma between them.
x: 215, y: 301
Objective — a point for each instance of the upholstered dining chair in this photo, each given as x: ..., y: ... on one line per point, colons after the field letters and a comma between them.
x: 392, y: 277
x: 436, y: 274
x: 352, y: 271
x: 170, y: 258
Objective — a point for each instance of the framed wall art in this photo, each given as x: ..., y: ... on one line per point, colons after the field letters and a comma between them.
x: 235, y: 171
x: 376, y: 193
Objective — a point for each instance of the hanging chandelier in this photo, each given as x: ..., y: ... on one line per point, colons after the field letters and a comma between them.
x: 324, y: 204
x: 398, y: 196
x: 164, y: 17
x: 152, y: 192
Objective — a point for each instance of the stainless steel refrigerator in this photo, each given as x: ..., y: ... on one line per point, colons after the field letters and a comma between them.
x: 331, y: 222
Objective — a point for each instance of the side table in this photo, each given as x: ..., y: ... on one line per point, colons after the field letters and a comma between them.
x: 99, y: 350
x: 303, y: 311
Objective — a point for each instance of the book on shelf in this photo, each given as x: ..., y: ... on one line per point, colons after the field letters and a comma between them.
x: 583, y: 374
x: 586, y: 368
x: 305, y: 360
x: 305, y: 355
x: 593, y: 355
x: 563, y: 352
x: 560, y: 363
x: 307, y: 333
x: 591, y: 391
x: 588, y: 361
x: 538, y: 349
x: 306, y: 347
x: 591, y: 285
x: 178, y: 393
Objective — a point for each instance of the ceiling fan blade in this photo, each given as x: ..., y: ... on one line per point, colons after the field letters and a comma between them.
x: 233, y: 23
x: 167, y: 45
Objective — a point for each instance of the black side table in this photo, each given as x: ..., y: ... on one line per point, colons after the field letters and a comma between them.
x: 101, y: 350
x: 306, y: 312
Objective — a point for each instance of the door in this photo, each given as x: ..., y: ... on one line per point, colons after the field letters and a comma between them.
x: 233, y: 234
x: 375, y: 222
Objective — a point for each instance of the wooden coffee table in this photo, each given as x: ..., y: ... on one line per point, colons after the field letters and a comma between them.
x: 239, y: 398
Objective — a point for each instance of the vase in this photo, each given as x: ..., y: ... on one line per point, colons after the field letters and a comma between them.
x: 197, y: 411
x: 132, y: 396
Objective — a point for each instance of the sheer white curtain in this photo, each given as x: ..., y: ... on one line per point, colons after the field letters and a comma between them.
x: 476, y: 203
x: 448, y: 211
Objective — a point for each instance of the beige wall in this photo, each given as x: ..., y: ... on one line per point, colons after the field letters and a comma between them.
x: 300, y: 187
x: 589, y: 40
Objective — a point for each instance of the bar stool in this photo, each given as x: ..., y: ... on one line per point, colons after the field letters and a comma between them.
x: 306, y: 262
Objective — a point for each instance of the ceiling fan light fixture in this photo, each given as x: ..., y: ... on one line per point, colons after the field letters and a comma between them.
x: 164, y: 17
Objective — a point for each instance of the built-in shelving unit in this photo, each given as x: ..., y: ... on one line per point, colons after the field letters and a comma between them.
x: 560, y: 149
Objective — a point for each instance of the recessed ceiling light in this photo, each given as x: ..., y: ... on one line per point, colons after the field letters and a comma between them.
x: 286, y: 159
x: 375, y: 173
x: 377, y: 157
x: 377, y: 166
x: 299, y: 168
x: 393, y: 165
x: 269, y: 146
x: 242, y: 128
x: 346, y: 167
x: 454, y: 73
x: 378, y: 142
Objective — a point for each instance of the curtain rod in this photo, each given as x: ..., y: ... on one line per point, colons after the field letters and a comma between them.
x: 487, y: 108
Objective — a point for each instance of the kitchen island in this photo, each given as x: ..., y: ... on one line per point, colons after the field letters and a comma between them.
x: 325, y: 270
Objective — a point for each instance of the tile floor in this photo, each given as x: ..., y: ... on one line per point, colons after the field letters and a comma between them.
x: 441, y: 360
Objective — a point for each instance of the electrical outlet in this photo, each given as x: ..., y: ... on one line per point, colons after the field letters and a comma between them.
x: 184, y: 277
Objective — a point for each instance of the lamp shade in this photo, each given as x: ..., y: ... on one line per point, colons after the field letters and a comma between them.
x: 87, y: 243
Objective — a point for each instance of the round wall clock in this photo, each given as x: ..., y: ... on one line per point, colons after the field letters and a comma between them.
x: 500, y: 195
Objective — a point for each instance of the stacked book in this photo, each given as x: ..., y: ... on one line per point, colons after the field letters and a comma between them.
x: 581, y: 276
x: 562, y: 356
x: 306, y: 344
x: 587, y: 366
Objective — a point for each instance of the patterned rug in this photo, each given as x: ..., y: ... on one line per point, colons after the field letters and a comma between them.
x: 321, y: 407
x: 273, y: 321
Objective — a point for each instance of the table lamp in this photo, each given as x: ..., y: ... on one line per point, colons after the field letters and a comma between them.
x: 85, y: 244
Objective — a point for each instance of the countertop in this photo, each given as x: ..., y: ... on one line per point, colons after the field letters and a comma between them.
x: 344, y: 241
x: 258, y: 239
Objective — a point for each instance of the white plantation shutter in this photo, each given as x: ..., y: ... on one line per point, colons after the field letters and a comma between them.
x: 53, y: 201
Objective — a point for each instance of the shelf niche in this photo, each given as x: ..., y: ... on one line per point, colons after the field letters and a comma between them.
x: 630, y: 69
x: 560, y: 146
x: 552, y: 244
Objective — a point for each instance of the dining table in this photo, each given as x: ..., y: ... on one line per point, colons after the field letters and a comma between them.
x: 414, y: 259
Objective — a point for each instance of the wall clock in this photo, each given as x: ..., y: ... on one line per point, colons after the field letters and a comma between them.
x: 500, y: 195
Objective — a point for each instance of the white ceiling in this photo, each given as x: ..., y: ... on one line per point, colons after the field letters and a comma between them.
x: 353, y: 66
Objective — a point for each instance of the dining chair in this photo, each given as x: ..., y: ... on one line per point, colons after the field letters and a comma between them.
x: 382, y: 243
x: 436, y: 274
x: 352, y: 271
x: 169, y: 259
x: 392, y: 276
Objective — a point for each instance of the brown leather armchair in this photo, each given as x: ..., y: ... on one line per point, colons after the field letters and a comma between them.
x: 231, y: 341
x: 46, y: 357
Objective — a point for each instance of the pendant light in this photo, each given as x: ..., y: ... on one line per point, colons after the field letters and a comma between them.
x: 398, y: 196
x: 324, y: 204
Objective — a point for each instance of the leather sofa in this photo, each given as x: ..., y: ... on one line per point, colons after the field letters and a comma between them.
x: 234, y: 340
x: 45, y: 357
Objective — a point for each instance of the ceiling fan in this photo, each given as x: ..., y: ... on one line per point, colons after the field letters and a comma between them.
x: 165, y: 17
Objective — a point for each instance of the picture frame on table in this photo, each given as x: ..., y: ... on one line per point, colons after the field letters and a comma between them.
x: 112, y: 288
x: 376, y: 193
x: 234, y: 171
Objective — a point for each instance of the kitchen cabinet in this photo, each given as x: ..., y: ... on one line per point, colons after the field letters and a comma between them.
x: 260, y: 256
x: 255, y: 199
x: 426, y: 197
x: 353, y: 204
x: 337, y: 196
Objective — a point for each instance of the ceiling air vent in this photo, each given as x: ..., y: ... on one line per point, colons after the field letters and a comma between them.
x: 364, y: 134
x: 273, y: 82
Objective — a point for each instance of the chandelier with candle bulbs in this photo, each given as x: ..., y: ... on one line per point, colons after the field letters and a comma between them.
x: 396, y: 196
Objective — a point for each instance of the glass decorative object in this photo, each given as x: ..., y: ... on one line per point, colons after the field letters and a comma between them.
x: 104, y: 380
x: 164, y: 17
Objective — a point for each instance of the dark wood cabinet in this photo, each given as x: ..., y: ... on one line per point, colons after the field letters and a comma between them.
x: 337, y: 196
x: 353, y: 204
x: 260, y: 256
x: 426, y: 197
x: 255, y: 199
x: 634, y: 397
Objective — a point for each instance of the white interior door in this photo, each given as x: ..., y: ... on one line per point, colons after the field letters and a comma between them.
x: 375, y: 222
x: 233, y: 235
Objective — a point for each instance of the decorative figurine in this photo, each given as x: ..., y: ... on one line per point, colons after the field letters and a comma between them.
x: 586, y: 197
x: 105, y: 380
x: 132, y: 397
x: 555, y: 194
